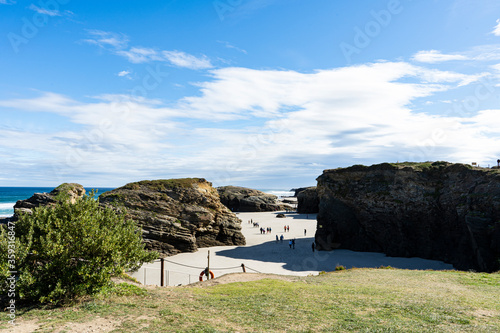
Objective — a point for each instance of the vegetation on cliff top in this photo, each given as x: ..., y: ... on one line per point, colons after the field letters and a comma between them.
x: 164, y: 184
x: 368, y: 300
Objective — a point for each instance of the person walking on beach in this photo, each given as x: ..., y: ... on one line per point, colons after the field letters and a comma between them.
x: 284, y: 228
x: 277, y: 239
x: 288, y: 228
x: 281, y: 238
x: 290, y: 243
x: 293, y: 243
x: 305, y: 232
x: 313, y: 246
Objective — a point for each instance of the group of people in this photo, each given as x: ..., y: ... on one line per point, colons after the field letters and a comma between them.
x: 286, y: 228
x: 266, y: 231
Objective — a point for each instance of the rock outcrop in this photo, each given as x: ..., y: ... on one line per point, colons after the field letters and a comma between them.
x: 441, y: 211
x: 241, y: 199
x: 64, y: 192
x: 177, y: 215
x: 308, y: 201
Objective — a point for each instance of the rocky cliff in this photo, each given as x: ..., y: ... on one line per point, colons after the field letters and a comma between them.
x: 241, y: 199
x: 442, y: 211
x: 308, y: 201
x: 177, y: 215
x: 66, y: 191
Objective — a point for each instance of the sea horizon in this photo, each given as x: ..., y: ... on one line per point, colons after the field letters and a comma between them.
x: 9, y: 195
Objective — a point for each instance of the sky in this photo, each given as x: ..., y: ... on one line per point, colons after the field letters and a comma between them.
x: 258, y: 93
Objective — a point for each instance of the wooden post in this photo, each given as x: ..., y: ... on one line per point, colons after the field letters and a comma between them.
x: 208, y: 266
x: 162, y: 276
x: 243, y: 266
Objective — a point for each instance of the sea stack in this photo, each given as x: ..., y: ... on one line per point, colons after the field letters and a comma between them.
x: 177, y: 215
x: 441, y: 211
x: 242, y: 199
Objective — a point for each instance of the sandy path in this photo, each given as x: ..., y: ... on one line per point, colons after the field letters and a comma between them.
x: 263, y: 254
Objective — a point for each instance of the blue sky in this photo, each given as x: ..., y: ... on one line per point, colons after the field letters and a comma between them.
x: 259, y: 93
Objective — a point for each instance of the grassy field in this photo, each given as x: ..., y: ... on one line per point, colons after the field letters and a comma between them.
x: 361, y: 300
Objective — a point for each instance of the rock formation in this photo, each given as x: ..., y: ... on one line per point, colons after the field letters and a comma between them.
x: 177, y: 215
x: 241, y: 199
x: 308, y: 201
x: 66, y: 191
x: 441, y: 211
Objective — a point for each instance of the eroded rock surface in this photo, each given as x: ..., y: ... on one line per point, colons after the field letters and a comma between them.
x: 241, y: 199
x: 177, y: 215
x: 441, y: 211
x: 66, y: 191
x: 308, y: 201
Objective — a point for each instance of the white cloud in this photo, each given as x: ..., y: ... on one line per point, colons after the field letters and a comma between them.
x: 124, y: 74
x: 182, y: 59
x: 137, y: 55
x: 44, y: 11
x: 230, y: 46
x: 434, y: 56
x: 496, y: 30
x: 249, y: 124
x: 107, y: 39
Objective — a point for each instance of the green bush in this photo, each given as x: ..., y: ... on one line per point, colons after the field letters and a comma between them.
x: 340, y: 268
x: 71, y: 250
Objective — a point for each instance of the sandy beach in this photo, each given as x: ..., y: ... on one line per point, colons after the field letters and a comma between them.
x: 263, y: 254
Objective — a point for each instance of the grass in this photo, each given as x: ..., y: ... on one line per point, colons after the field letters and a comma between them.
x: 360, y: 300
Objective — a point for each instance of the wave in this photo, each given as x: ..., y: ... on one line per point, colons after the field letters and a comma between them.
x: 281, y: 194
x: 7, y: 205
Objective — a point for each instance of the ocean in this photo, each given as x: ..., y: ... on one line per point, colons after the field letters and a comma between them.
x: 10, y: 195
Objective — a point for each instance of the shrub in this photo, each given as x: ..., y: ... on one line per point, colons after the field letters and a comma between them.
x: 71, y: 250
x: 340, y: 268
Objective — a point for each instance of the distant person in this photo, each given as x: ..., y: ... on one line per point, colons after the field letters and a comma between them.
x: 288, y: 228
x: 281, y: 238
x: 277, y: 239
x: 313, y: 246
x: 293, y: 243
x: 290, y: 243
x: 305, y: 232
x: 284, y: 228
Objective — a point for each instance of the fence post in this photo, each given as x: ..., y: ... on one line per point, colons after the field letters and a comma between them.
x: 243, y: 266
x: 162, y: 276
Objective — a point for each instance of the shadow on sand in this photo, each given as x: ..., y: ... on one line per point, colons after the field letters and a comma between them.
x: 302, y: 258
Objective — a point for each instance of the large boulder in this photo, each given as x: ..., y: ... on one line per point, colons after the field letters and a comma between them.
x: 177, y: 215
x: 441, y: 211
x: 308, y: 201
x: 64, y: 192
x: 241, y: 199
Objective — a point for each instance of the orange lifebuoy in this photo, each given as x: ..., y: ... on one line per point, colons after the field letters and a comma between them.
x: 202, y: 274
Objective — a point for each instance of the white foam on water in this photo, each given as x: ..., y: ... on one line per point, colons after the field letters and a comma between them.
x: 7, y: 205
x: 281, y: 194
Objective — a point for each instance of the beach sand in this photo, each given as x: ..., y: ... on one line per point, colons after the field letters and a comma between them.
x: 263, y: 254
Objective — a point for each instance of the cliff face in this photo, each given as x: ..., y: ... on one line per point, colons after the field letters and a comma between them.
x: 66, y: 191
x: 442, y: 211
x: 241, y: 199
x: 177, y: 215
x: 308, y: 201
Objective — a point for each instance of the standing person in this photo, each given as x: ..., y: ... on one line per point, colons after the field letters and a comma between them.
x: 293, y: 243
x: 281, y: 238
x: 313, y: 246
x: 288, y: 228
x: 284, y: 228
x: 305, y: 232
x: 290, y: 243
x: 277, y: 239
